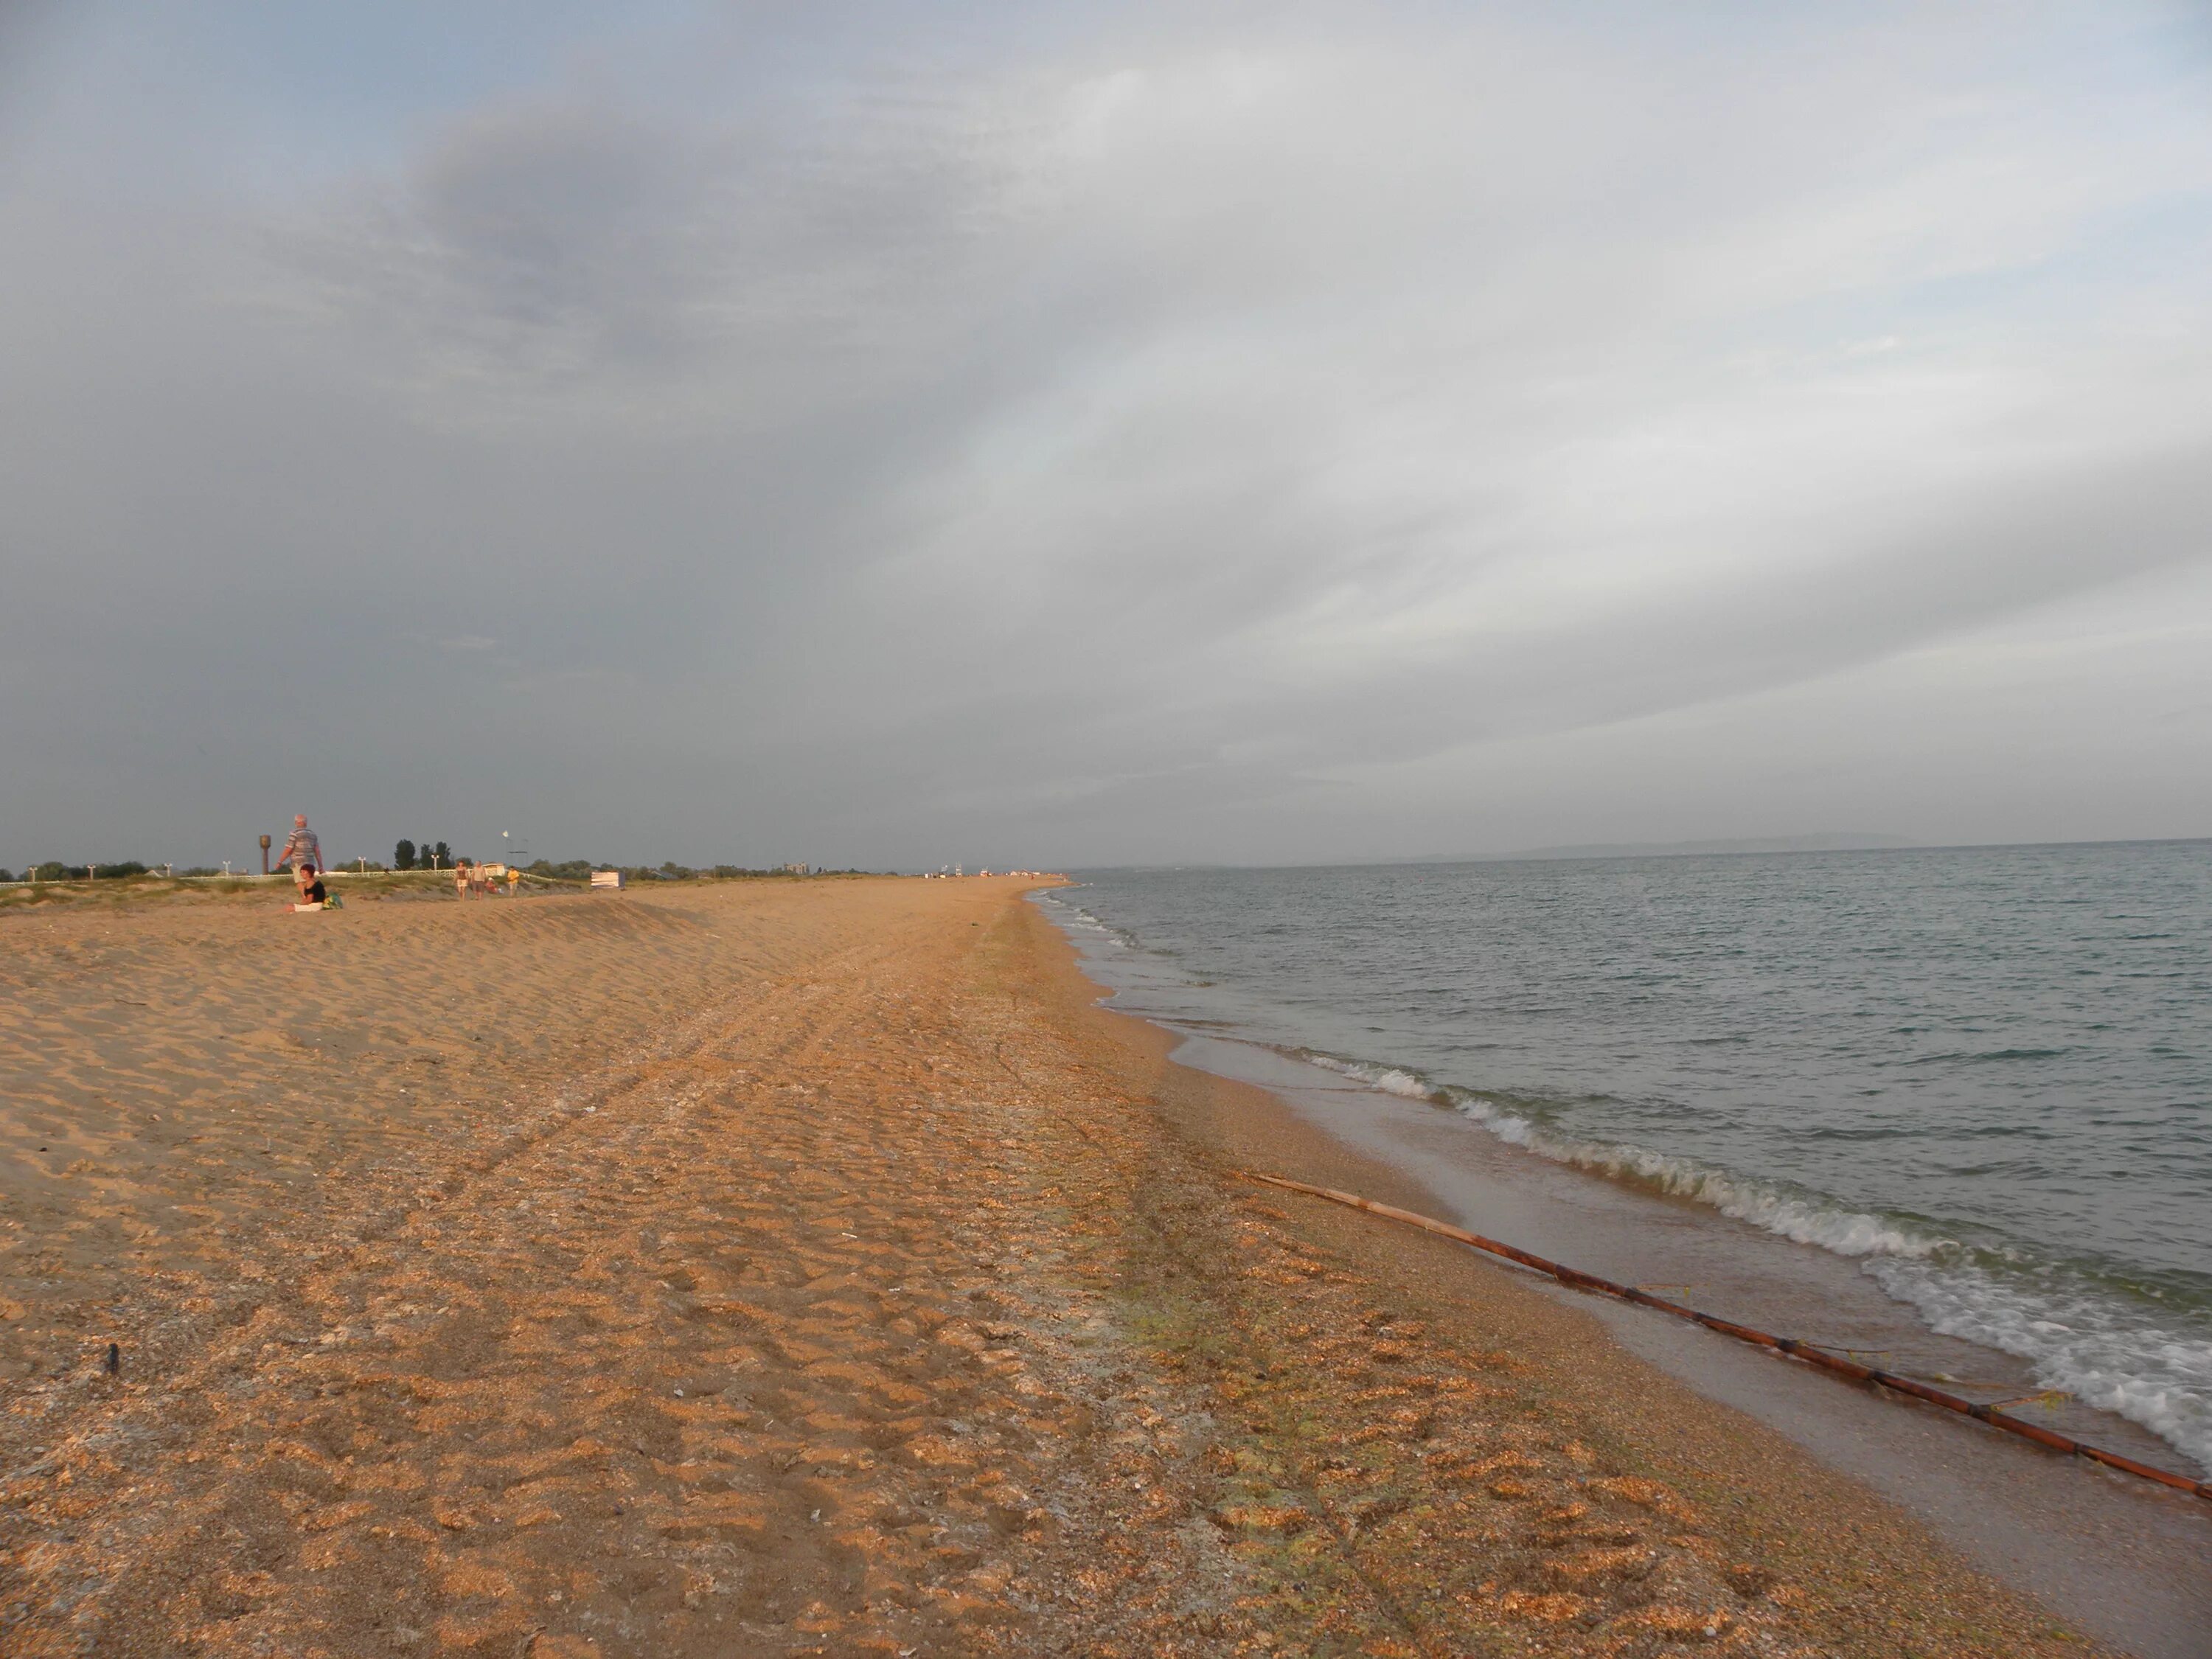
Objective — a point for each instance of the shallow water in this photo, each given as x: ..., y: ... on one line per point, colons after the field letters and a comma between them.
x: 1981, y: 1077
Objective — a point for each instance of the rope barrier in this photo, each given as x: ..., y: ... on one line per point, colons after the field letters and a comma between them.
x: 1812, y: 1354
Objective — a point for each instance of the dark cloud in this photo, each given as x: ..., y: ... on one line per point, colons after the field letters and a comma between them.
x: 1141, y: 437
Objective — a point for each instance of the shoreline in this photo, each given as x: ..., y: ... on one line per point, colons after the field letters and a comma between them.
x: 2009, y: 1146
x: 2044, y: 1524
x: 804, y: 1270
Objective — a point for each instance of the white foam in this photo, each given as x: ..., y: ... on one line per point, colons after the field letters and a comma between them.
x: 2089, y: 1344
x: 1388, y: 1078
x: 1077, y: 919
x: 2086, y: 1344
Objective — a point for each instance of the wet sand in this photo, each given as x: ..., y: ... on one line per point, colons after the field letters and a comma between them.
x: 2128, y: 1560
x: 801, y: 1268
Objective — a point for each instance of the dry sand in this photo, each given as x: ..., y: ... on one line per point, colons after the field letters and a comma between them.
x: 799, y: 1268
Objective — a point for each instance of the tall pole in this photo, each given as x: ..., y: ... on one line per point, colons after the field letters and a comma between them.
x: 265, y: 855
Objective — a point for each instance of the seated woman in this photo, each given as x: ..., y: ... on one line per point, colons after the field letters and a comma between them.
x: 313, y: 895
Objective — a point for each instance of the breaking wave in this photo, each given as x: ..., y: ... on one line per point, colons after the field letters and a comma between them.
x: 2102, y: 1342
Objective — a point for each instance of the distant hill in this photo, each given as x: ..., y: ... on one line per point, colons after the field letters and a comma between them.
x: 1839, y: 842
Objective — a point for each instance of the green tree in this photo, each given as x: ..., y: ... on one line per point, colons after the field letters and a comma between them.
x: 403, y: 856
x: 445, y: 855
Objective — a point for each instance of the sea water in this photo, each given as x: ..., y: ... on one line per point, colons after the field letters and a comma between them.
x: 1984, y: 1075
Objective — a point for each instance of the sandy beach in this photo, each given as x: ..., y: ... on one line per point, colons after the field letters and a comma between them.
x: 788, y: 1268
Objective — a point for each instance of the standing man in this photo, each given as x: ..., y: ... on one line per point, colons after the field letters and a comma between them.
x: 301, y: 846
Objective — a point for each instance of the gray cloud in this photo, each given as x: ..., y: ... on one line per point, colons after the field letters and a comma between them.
x: 1137, y: 439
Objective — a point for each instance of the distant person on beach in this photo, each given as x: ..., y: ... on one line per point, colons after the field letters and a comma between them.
x: 461, y: 883
x: 300, y: 846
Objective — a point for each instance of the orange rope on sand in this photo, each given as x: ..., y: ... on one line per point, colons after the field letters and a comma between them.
x: 1813, y: 1355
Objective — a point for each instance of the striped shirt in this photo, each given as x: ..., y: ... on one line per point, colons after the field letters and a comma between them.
x: 303, y: 846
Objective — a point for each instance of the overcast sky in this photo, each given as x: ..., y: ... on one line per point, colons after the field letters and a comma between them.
x: 1071, y: 434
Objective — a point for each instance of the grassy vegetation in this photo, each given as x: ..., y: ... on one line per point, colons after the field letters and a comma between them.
x: 132, y: 883
x: 154, y: 887
x: 54, y: 870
